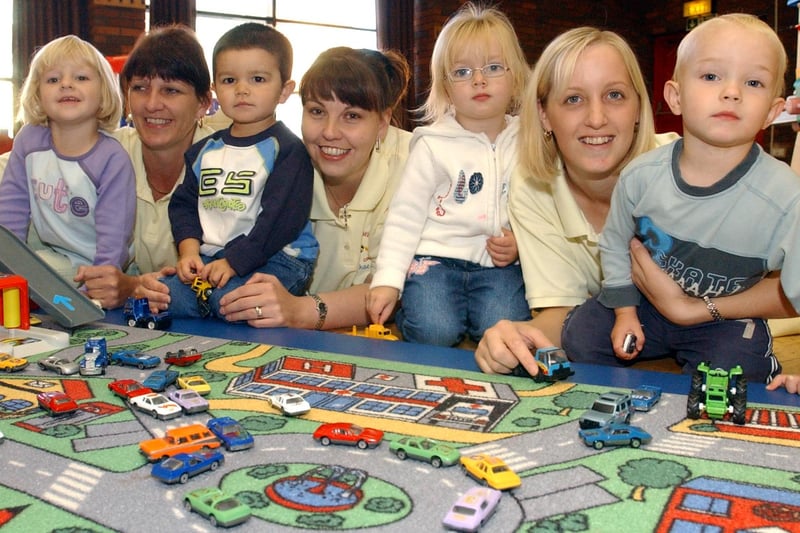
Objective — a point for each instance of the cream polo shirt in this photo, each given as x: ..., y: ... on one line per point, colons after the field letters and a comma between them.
x: 558, y: 248
x: 152, y: 236
x: 349, y: 240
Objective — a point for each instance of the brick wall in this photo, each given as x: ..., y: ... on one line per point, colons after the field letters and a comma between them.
x: 114, y: 25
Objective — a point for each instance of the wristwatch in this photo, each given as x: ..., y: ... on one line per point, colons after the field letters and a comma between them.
x: 322, y: 310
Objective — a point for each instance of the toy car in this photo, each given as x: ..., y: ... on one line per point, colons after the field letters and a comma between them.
x: 203, y: 290
x: 375, y: 331
x: 189, y: 400
x: 349, y: 434
x: 553, y: 365
x: 95, y: 357
x: 128, y: 388
x: 491, y: 471
x: 289, y: 403
x: 644, y: 397
x: 424, y: 449
x: 609, y: 408
x: 179, y: 468
x: 9, y: 363
x: 56, y: 403
x: 156, y: 405
x: 137, y: 314
x: 182, y: 357
x: 221, y: 509
x: 59, y: 364
x: 233, y: 436
x: 195, y: 383
x: 185, y: 439
x: 718, y: 392
x: 615, y: 435
x: 472, y: 510
x: 135, y: 358
x: 159, y: 380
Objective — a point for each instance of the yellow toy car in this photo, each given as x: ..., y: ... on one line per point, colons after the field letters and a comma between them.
x: 375, y: 331
x: 9, y: 363
x: 195, y: 383
x: 491, y: 471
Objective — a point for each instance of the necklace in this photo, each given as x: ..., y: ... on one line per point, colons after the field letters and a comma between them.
x: 337, y: 203
x: 162, y: 193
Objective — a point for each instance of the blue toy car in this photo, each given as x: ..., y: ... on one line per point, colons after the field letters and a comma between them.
x: 179, y: 468
x: 644, y: 397
x: 135, y: 358
x: 160, y: 379
x: 615, y: 435
x: 233, y: 436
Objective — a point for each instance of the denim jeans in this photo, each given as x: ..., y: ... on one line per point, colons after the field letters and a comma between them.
x: 293, y: 273
x: 586, y: 338
x: 446, y: 299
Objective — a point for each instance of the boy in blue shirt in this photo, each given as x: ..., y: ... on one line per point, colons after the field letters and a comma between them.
x: 244, y: 204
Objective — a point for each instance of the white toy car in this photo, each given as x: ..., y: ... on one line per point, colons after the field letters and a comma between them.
x: 289, y: 403
x: 156, y: 405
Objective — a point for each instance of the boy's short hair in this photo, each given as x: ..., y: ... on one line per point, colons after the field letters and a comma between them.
x: 76, y: 49
x: 256, y: 35
x: 171, y: 53
x: 745, y: 22
x: 471, y: 28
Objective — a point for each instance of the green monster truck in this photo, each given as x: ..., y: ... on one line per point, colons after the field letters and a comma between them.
x: 718, y: 392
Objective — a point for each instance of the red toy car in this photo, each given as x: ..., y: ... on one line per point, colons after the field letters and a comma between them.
x: 56, y: 403
x: 128, y: 388
x: 350, y: 434
x: 182, y: 357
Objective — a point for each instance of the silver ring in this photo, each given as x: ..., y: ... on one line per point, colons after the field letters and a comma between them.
x: 258, y: 311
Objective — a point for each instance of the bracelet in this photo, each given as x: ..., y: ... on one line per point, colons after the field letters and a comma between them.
x: 712, y: 309
x: 322, y: 310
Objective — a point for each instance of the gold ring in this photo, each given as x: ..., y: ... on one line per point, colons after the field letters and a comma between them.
x: 258, y: 311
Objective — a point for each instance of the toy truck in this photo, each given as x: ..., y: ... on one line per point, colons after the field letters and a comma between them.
x: 717, y: 392
x: 137, y: 314
x: 375, y: 331
x: 95, y: 357
x: 553, y: 365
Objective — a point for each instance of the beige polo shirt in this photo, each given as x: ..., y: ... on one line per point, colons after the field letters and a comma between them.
x: 349, y: 240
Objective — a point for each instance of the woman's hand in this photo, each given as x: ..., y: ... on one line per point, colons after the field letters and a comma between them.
x: 503, y: 249
x: 264, y: 293
x: 150, y: 286
x: 508, y: 344
x: 107, y: 284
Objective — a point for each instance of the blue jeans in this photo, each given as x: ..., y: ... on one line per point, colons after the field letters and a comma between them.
x: 293, y: 273
x: 447, y: 299
x: 586, y: 338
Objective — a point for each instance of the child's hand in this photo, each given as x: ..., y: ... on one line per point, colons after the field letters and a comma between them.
x: 380, y: 303
x: 189, y: 267
x: 503, y: 249
x: 218, y: 272
x: 627, y: 323
x: 790, y: 381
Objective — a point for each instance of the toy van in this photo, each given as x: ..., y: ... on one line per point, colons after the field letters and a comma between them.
x: 609, y: 408
x: 186, y: 439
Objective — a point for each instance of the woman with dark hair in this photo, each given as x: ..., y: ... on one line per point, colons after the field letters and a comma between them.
x: 349, y: 97
x: 167, y: 88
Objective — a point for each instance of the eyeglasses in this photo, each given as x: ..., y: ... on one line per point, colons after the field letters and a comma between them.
x: 492, y: 70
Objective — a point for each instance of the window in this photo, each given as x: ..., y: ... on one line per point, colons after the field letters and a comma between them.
x: 6, y: 68
x: 312, y: 26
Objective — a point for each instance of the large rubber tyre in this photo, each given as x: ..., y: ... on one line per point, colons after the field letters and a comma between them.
x: 693, y: 406
x: 739, y: 401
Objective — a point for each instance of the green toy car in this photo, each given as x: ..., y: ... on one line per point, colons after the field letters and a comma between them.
x: 424, y: 449
x: 221, y: 509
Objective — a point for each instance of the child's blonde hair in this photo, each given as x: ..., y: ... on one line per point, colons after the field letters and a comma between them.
x: 745, y: 22
x: 471, y: 28
x: 539, y: 157
x: 72, y: 48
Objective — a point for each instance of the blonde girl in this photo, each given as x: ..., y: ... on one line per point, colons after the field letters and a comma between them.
x: 66, y: 177
x: 447, y: 244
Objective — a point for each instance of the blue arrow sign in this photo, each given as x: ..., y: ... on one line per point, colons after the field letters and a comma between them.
x: 63, y: 300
